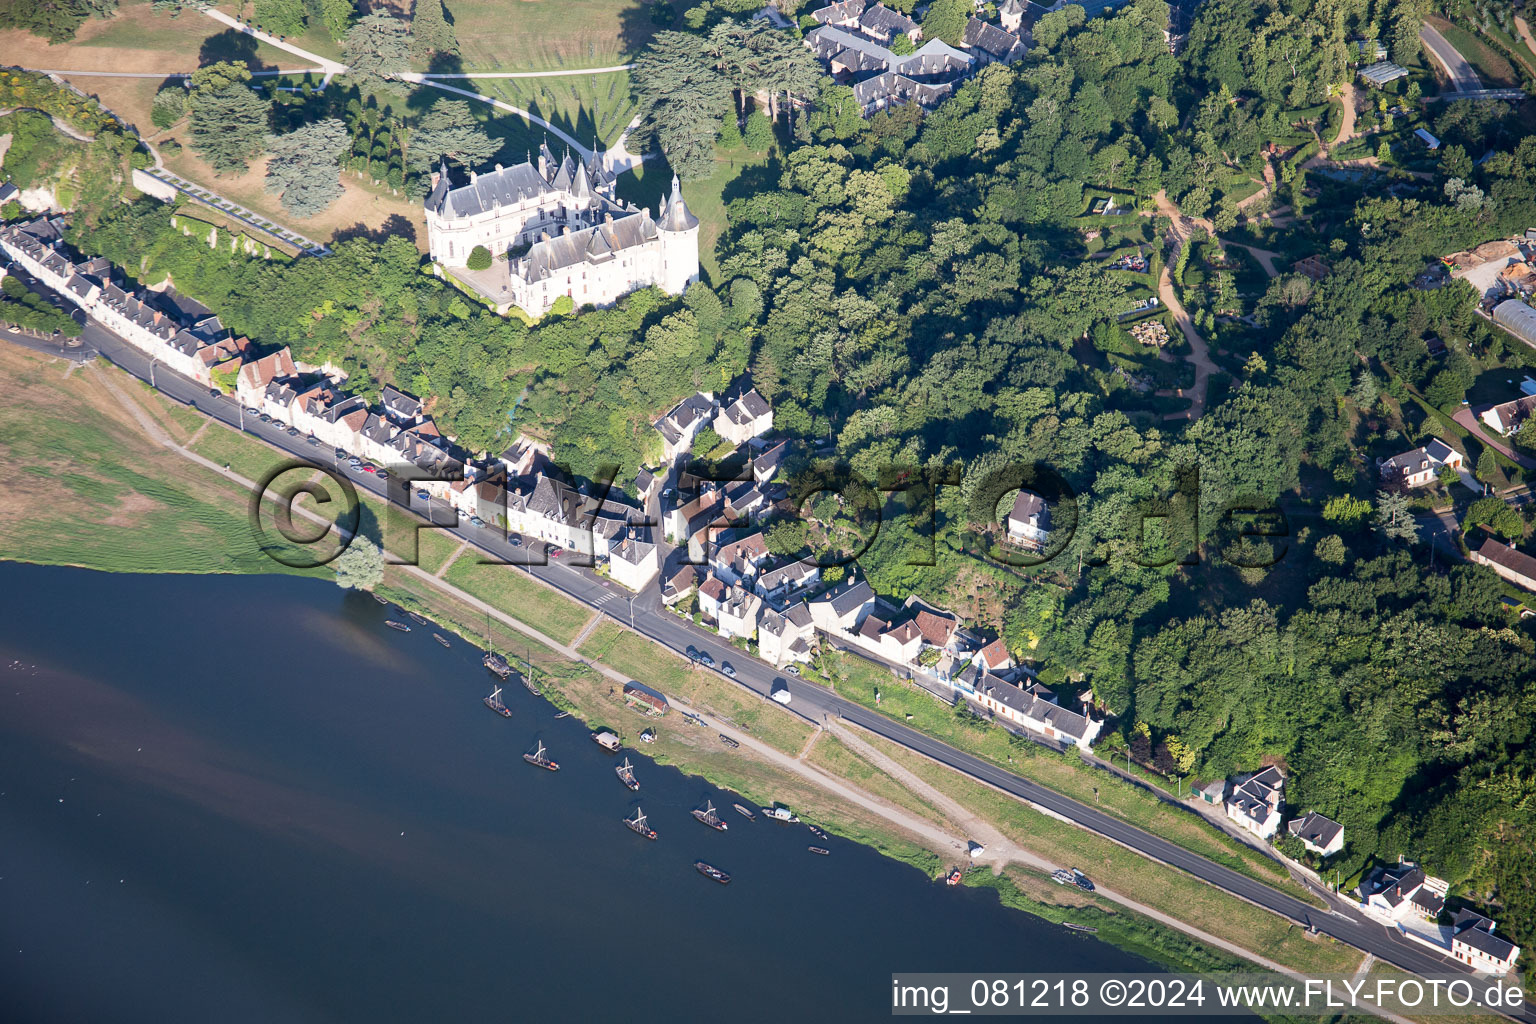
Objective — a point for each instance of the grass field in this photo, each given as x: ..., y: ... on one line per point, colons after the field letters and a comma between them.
x: 140, y: 39
x: 86, y: 487
x: 584, y: 106
x: 548, y: 35
x: 511, y: 590
x: 858, y: 680
x: 1122, y: 871
x: 645, y: 662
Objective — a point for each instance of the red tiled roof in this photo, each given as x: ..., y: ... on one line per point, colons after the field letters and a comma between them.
x: 937, y: 629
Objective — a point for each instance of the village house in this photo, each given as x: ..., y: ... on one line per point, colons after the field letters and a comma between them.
x: 1506, y: 417
x: 873, y: 21
x: 991, y: 44
x: 1256, y: 800
x: 1420, y: 466
x: 766, y: 465
x: 634, y: 563
x: 994, y: 657
x: 840, y: 610
x: 1323, y: 836
x: 737, y: 613
x: 1395, y: 893
x: 787, y: 636
x: 682, y: 424
x: 781, y: 583
x: 1029, y: 521
x: 679, y: 585
x: 1035, y: 708
x: 1513, y: 565
x: 251, y: 383
x: 746, y: 417
x: 1474, y: 944
x: 711, y: 592
x: 738, y: 561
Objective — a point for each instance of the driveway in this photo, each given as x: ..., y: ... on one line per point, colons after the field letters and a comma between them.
x: 1457, y: 68
x: 1468, y: 419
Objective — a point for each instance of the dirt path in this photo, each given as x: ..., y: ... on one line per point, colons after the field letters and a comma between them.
x: 330, y: 67
x: 1199, y: 352
x: 1525, y: 33
x: 1265, y: 257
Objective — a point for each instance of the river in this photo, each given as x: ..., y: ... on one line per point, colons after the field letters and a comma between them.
x: 245, y: 799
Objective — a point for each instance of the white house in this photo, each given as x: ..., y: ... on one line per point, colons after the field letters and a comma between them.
x: 747, y: 417
x: 1506, y: 417
x: 1029, y: 521
x: 787, y: 636
x: 633, y: 563
x: 251, y: 383
x: 737, y: 613
x: 1323, y: 836
x: 841, y: 609
x: 738, y: 561
x: 1256, y: 800
x: 682, y: 424
x: 1420, y: 466
x: 1475, y: 944
x: 1035, y: 708
x: 780, y: 583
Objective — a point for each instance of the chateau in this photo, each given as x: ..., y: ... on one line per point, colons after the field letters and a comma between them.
x: 558, y: 229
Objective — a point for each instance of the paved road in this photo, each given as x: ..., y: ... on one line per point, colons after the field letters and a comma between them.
x: 1463, y: 78
x: 810, y: 700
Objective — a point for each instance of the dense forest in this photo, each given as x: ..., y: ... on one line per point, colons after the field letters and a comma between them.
x: 919, y: 292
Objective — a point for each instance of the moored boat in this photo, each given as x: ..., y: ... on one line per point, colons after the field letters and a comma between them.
x: 379, y: 599
x: 953, y: 878
x: 710, y: 871
x: 606, y: 739
x: 626, y: 774
x: 392, y: 624
x: 818, y: 849
x: 416, y: 618
x: 818, y: 833
x: 744, y: 812
x: 540, y: 759
x: 728, y: 741
x: 494, y: 703
x: 780, y: 814
x: 637, y: 825
x: 648, y: 736
x: 441, y: 639
x: 497, y: 664
x: 709, y: 817
x: 528, y: 682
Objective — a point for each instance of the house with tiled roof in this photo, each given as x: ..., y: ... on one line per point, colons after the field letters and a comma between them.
x: 994, y: 657
x: 1029, y: 521
x: 711, y: 592
x: 1256, y: 799
x: 679, y: 585
x: 683, y: 422
x: 739, y: 560
x: 991, y: 44
x: 1323, y: 836
x: 1036, y: 709
x: 840, y: 610
x: 782, y: 582
x: 737, y: 613
x: 1400, y: 891
x: 251, y: 383
x: 1506, y: 417
x: 1512, y: 564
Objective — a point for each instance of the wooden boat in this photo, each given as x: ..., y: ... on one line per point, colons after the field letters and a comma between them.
x: 710, y: 871
x: 497, y: 664
x: 626, y: 774
x: 416, y: 618
x: 781, y: 814
x: 494, y: 703
x: 392, y: 624
x: 745, y: 813
x: 709, y: 817
x: 637, y: 825
x: 728, y: 741
x: 606, y: 739
x: 1080, y: 928
x: 563, y: 714
x: 528, y: 682
x: 379, y: 599
x: 818, y: 833
x: 441, y: 639
x: 817, y: 849
x: 540, y: 759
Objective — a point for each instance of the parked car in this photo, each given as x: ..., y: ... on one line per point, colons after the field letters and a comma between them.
x: 383, y: 474
x: 1082, y: 880
x: 727, y: 670
x: 312, y: 439
x: 793, y: 670
x: 369, y: 467
x: 293, y: 431
x: 341, y: 453
x: 517, y: 542
x: 354, y: 461
x: 476, y: 521
x: 692, y: 652
x: 423, y: 495
x: 264, y: 417
x: 216, y: 393
x: 355, y: 467
x: 706, y: 659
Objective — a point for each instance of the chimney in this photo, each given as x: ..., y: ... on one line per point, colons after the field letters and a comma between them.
x: 565, y: 230
x: 607, y: 218
x: 498, y: 168
x: 473, y: 177
x: 435, y: 178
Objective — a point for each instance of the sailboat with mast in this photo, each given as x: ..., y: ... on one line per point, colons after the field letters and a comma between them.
x: 709, y: 817
x: 637, y: 825
x: 540, y: 759
x: 626, y: 774
x: 494, y: 703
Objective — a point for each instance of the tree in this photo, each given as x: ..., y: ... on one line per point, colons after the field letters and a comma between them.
x: 430, y: 31
x: 730, y: 134
x: 1494, y: 513
x: 902, y: 45
x: 1330, y: 548
x: 1446, y: 390
x: 705, y: 442
x: 448, y: 129
x: 946, y: 20
x: 360, y: 566
x: 303, y: 168
x: 479, y: 258
x: 377, y: 49
x: 758, y: 134
x: 1525, y: 437
x: 337, y: 16
x: 229, y: 122
x: 169, y: 106
x: 682, y: 96
x: 1346, y: 511
x: 215, y: 76
x: 1394, y: 517
x: 1487, y: 466
x: 280, y: 17
x: 54, y: 20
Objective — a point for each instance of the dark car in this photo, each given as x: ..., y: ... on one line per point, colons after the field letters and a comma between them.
x: 517, y: 542
x: 1082, y: 880
x: 727, y: 670
x: 215, y: 392
x: 293, y: 431
x: 383, y: 474
x: 423, y: 495
x: 312, y: 439
x: 341, y: 453
x: 692, y: 652
x: 265, y: 418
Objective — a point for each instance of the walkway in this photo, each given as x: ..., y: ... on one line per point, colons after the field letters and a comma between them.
x: 1199, y: 352
x: 530, y: 74
x: 330, y: 67
x: 1457, y: 68
x: 1525, y: 33
x: 233, y: 210
x: 161, y: 74
x: 419, y: 79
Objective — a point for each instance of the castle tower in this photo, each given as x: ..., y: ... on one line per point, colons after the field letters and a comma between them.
x: 678, y: 230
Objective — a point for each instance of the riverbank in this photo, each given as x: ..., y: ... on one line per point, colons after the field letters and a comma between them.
x: 573, y: 679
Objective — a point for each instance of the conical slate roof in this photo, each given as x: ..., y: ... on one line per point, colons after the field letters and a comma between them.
x: 676, y: 216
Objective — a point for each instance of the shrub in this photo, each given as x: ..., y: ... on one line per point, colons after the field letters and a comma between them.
x: 479, y: 258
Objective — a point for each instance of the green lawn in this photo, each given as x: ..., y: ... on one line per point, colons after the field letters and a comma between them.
x: 244, y: 455
x: 511, y: 590
x: 548, y: 35
x: 858, y: 680
x: 647, y: 663
x: 584, y: 106
x: 1492, y: 66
